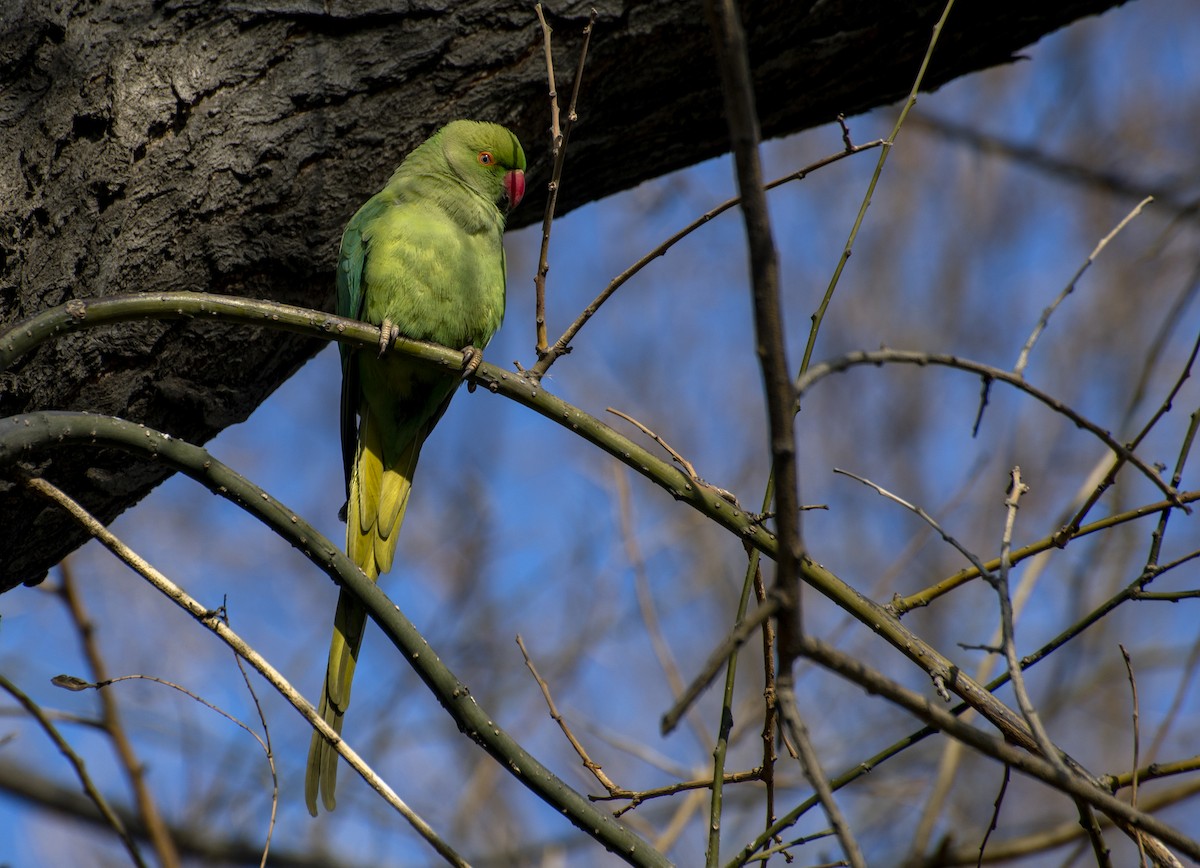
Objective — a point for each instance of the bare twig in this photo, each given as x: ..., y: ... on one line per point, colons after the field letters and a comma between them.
x: 923, y: 515
x: 789, y: 710
x: 212, y: 621
x: 1119, y: 459
x: 923, y: 598
x: 1137, y: 745
x: 77, y: 763
x: 539, y: 279
x: 558, y: 150
x: 907, y: 357
x: 819, y: 314
x: 70, y: 682
x: 1057, y: 836
x: 562, y: 346
x: 734, y: 639
x: 110, y: 716
x: 686, y: 465
x: 265, y: 741
x: 994, y: 822
x: 1008, y: 642
x: 637, y: 797
x: 557, y: 717
x: 1044, y: 320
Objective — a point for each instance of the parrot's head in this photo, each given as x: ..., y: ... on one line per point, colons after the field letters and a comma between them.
x: 488, y: 158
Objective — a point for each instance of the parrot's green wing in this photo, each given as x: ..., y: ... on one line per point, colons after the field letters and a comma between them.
x: 350, y: 298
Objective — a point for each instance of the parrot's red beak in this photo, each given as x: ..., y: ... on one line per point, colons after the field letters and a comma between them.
x: 514, y: 187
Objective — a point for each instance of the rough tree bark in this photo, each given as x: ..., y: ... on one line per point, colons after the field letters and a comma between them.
x: 220, y: 147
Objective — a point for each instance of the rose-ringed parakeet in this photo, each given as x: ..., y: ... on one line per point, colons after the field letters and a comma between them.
x: 422, y: 258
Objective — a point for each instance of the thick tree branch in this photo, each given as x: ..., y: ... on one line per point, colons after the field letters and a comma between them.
x: 221, y: 147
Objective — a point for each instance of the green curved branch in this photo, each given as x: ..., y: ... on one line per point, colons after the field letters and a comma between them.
x: 21, y: 435
x: 83, y: 314
x: 989, y: 373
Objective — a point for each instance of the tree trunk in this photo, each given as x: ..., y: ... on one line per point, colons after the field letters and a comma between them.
x: 221, y: 147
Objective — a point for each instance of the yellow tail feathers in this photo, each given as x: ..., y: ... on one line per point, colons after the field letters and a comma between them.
x: 378, y: 499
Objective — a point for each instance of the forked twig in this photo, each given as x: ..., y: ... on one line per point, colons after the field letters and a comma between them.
x: 824, y: 369
x: 89, y: 786
x: 562, y: 346
x: 559, y: 134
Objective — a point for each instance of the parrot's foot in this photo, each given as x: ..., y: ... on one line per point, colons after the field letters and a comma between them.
x: 472, y: 358
x: 388, y: 332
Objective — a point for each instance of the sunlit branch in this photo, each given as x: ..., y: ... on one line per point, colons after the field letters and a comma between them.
x: 212, y: 620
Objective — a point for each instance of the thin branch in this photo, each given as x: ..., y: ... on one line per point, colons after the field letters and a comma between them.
x: 907, y: 357
x: 1008, y: 641
x: 211, y: 619
x: 901, y: 605
x: 687, y: 466
x: 539, y: 279
x: 265, y: 741
x: 70, y: 682
x: 1044, y: 320
x: 81, y: 772
x: 924, y: 516
x: 819, y: 314
x: 1057, y: 836
x: 562, y: 346
x: 725, y: 725
x: 558, y: 150
x: 556, y: 716
x: 810, y: 762
x: 637, y: 797
x: 716, y: 659
x: 994, y: 822
x: 1119, y: 460
x: 110, y: 716
x: 1137, y: 746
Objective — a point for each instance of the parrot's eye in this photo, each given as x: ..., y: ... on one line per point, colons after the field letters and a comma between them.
x: 486, y: 158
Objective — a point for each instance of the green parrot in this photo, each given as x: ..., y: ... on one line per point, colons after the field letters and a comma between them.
x: 423, y: 258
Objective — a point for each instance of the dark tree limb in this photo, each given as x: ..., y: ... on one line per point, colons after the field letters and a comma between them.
x: 221, y: 147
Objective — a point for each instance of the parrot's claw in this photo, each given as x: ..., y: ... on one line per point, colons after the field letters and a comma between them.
x: 388, y: 332
x: 472, y: 358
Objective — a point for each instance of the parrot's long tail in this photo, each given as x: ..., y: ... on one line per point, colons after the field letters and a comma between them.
x: 379, y: 487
